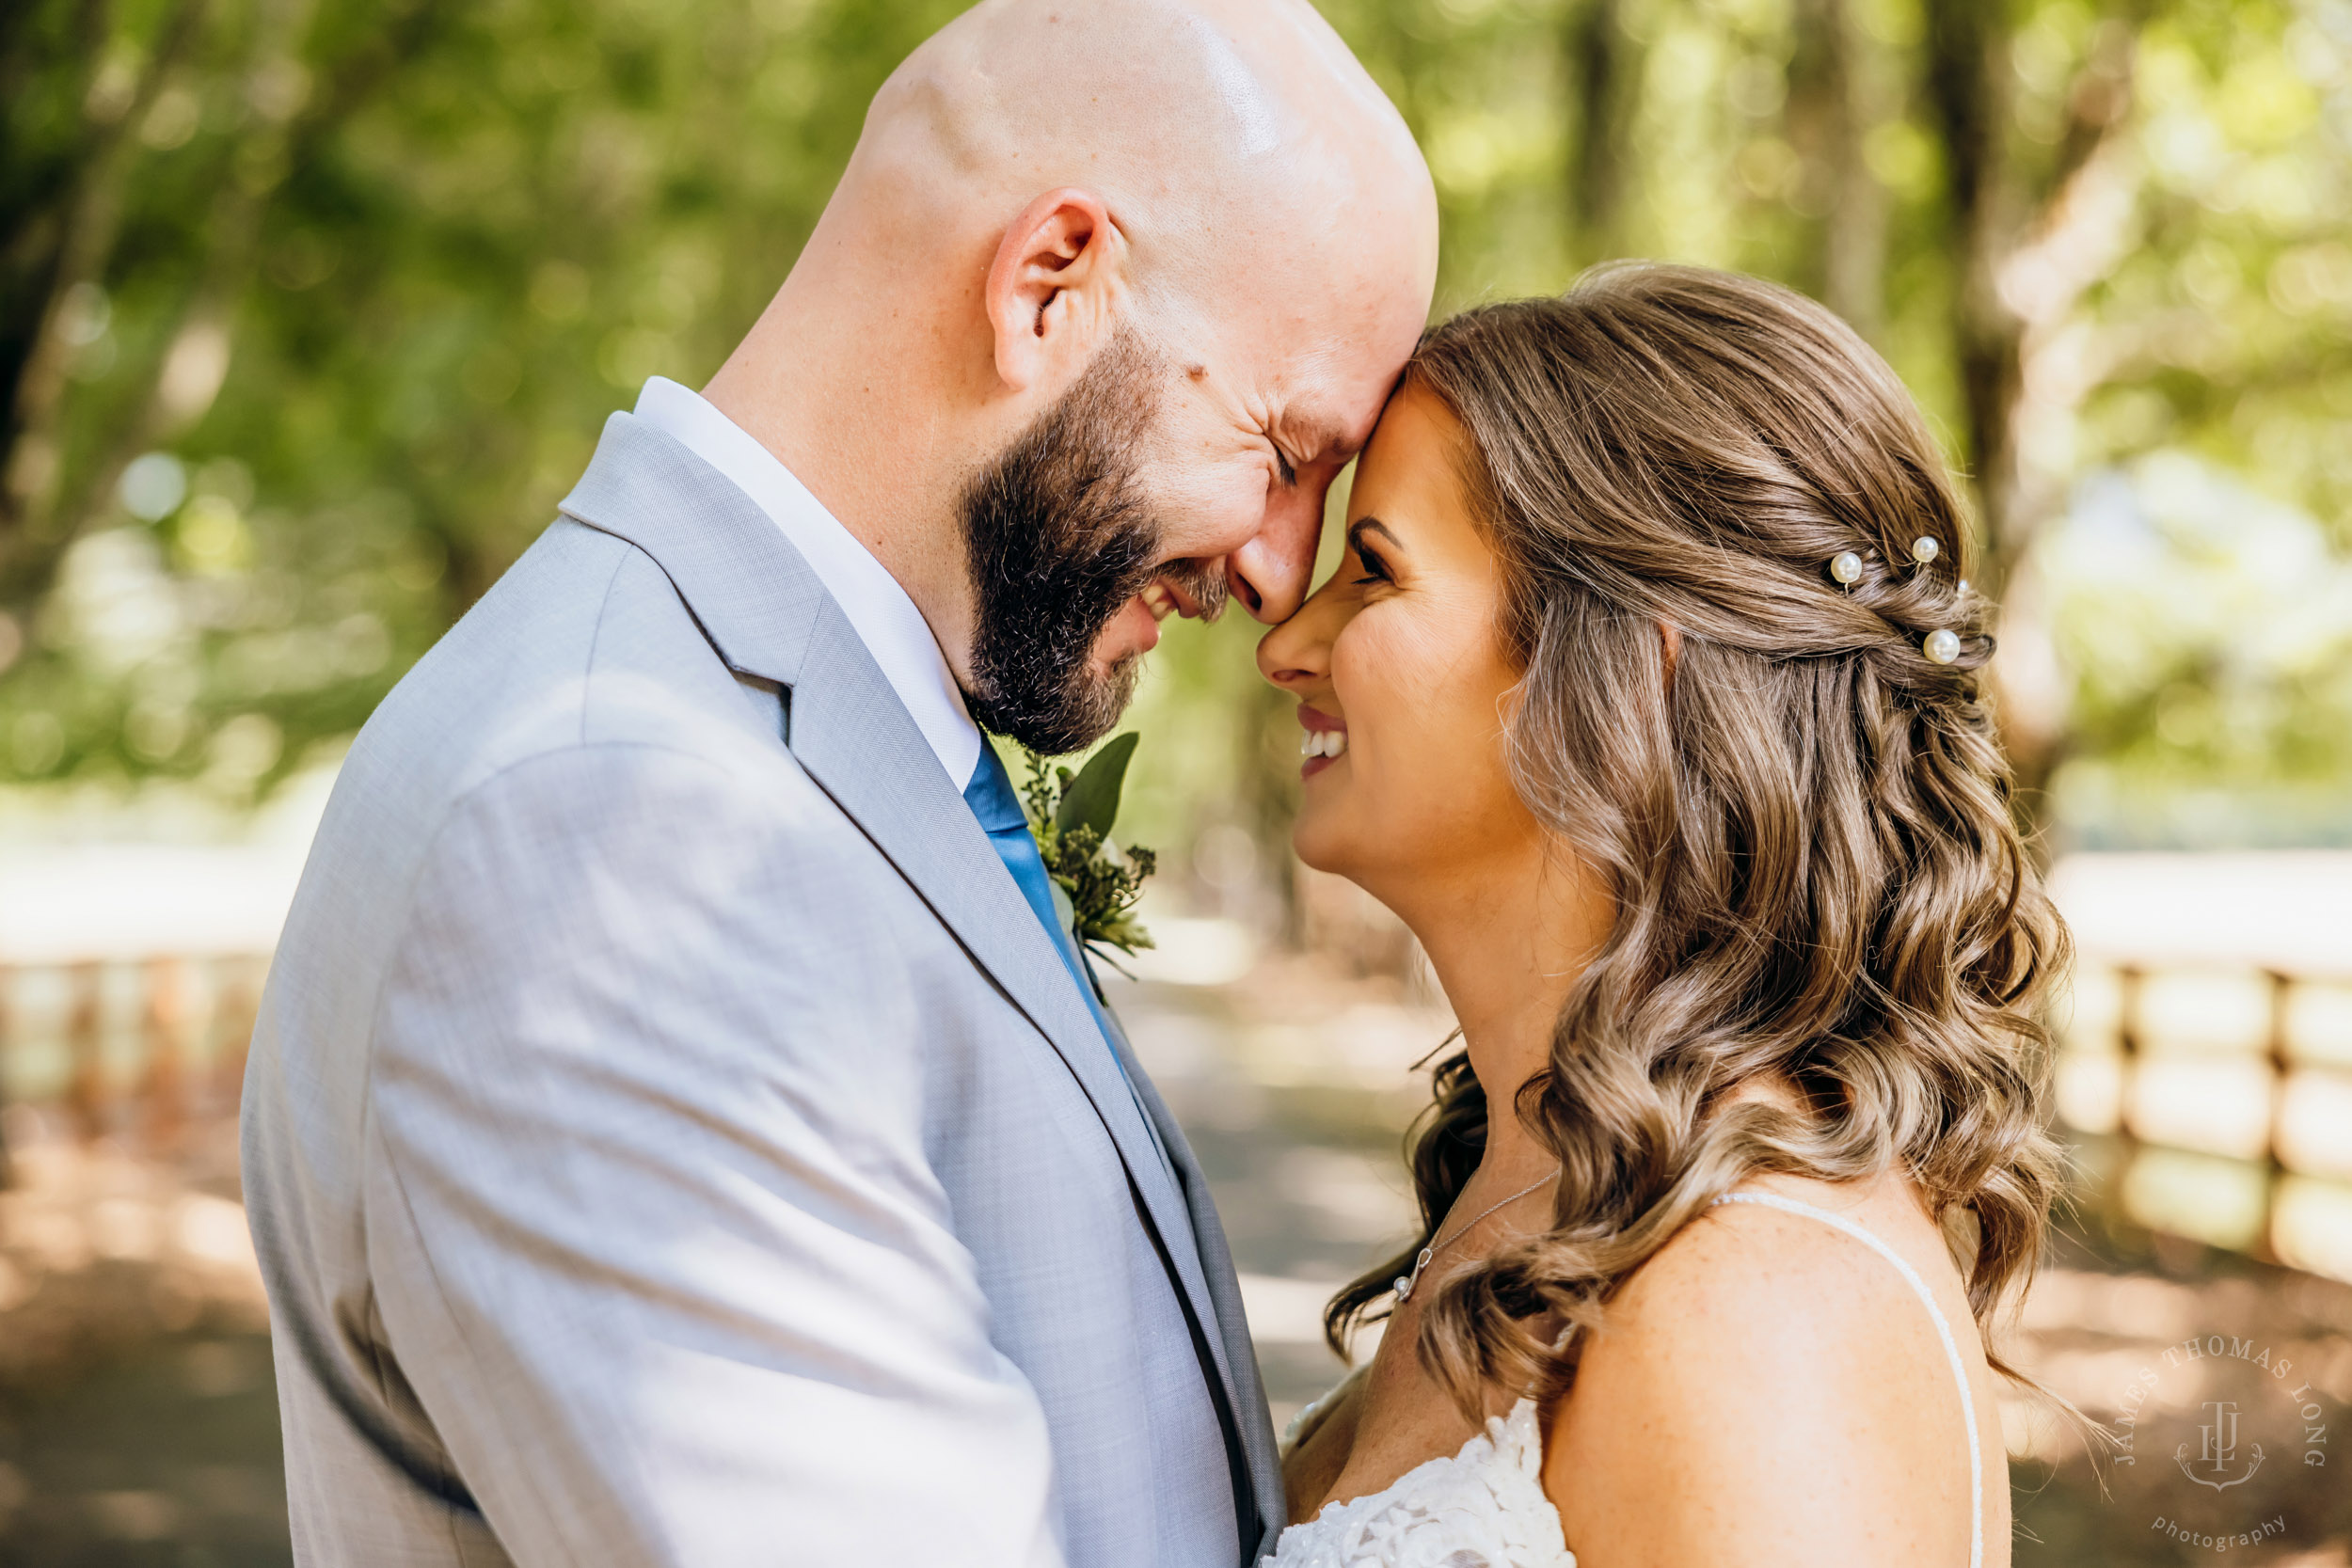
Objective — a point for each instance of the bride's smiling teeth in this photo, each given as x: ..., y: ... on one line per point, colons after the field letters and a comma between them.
x: 1323, y: 743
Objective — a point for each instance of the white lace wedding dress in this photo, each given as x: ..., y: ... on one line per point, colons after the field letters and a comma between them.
x: 1485, y: 1508
x: 1482, y: 1507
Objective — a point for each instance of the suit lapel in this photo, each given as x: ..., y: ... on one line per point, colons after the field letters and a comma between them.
x: 857, y: 742
x: 1232, y: 1337
x: 768, y: 617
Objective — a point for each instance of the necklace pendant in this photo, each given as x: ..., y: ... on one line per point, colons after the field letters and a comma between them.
x: 1405, y: 1282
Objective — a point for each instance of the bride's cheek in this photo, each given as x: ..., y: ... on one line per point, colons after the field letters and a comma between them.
x: 1358, y: 673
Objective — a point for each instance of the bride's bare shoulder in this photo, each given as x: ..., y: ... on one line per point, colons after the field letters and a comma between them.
x: 1768, y: 1390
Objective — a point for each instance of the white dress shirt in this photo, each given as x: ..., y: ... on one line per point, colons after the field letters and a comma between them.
x: 879, y: 610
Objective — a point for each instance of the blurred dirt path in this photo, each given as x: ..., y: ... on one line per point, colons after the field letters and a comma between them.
x: 138, y: 1421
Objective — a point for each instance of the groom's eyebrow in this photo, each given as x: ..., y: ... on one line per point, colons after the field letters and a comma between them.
x: 1317, y: 438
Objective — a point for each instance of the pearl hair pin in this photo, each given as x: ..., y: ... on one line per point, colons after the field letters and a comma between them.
x: 1942, y: 646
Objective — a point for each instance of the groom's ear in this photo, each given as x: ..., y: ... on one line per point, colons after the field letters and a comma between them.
x: 1055, y: 287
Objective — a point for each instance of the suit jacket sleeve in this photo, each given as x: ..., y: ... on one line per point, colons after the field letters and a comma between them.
x: 649, y: 1217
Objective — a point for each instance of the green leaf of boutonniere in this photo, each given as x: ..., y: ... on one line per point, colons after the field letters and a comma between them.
x: 1092, y: 799
x: 1071, y: 814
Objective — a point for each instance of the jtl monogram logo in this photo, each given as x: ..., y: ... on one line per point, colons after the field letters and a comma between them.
x: 2219, y: 1451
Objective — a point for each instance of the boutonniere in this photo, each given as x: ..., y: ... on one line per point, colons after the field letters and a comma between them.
x: 1071, y: 813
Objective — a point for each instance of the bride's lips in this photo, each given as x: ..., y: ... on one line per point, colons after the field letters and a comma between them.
x: 1324, y: 742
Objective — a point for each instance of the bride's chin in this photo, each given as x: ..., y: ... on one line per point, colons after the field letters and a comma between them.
x: 1314, y: 848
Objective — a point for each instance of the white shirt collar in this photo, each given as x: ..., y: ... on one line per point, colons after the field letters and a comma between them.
x: 879, y: 610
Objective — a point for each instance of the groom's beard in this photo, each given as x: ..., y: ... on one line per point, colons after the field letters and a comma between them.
x: 1060, y: 537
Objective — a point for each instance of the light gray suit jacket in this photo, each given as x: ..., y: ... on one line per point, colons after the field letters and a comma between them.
x: 671, y: 1139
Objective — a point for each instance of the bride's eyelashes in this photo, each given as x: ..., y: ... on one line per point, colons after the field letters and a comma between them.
x: 1368, y: 556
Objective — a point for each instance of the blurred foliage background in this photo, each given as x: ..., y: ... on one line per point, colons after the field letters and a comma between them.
x: 309, y: 311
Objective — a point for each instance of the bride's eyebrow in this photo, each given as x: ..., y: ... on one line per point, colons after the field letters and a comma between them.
x: 1364, y: 526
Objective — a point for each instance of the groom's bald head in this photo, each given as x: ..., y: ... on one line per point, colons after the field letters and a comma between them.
x: 1232, y: 141
x: 1108, y: 294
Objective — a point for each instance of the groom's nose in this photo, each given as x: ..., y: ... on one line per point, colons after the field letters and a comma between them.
x: 1272, y: 571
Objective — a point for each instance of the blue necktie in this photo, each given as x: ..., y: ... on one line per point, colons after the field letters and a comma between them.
x: 990, y: 796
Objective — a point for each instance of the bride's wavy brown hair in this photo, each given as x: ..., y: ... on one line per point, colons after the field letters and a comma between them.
x: 1805, y: 822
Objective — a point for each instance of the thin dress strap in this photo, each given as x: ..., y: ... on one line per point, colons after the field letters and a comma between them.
x: 1943, y: 1332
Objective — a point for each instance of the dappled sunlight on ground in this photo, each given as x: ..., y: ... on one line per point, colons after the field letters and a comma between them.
x: 137, y: 1424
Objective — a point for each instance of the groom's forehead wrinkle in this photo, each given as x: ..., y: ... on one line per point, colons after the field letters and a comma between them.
x: 1339, y: 384
x: 1330, y: 441
x: 1321, y: 435
x: 1300, y: 414
x: 1305, y: 404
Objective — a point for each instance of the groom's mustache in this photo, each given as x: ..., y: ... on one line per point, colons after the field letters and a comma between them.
x: 1200, y: 590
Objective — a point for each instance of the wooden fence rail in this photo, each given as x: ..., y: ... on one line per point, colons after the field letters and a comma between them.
x: 2296, y: 1048
x: 134, y: 1052
x: 139, y: 1051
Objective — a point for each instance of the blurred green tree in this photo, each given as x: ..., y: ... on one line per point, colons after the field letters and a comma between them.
x: 2089, y: 233
x: 310, y: 311
x: 310, y: 308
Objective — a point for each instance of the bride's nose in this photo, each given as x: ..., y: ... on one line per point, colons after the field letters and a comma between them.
x: 1297, y: 654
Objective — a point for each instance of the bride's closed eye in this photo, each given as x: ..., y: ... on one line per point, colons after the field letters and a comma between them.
x: 1368, y: 555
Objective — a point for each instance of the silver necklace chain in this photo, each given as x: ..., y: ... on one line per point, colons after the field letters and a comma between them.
x: 1405, y: 1282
